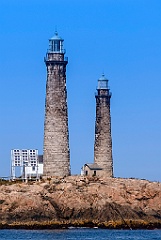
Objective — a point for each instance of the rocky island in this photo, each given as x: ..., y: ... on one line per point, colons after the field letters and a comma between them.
x: 77, y: 201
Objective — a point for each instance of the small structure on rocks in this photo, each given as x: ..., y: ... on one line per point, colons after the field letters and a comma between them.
x: 26, y: 163
x: 91, y: 170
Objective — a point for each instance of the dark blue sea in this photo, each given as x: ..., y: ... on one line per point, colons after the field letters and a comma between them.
x: 81, y: 234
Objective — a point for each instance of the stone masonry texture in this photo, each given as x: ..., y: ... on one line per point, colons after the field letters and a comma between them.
x: 103, y: 140
x: 56, y: 136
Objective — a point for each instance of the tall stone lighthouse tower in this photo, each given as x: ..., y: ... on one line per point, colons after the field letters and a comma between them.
x: 56, y: 137
x: 103, y: 141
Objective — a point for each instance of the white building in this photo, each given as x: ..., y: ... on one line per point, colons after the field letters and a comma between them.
x: 28, y: 162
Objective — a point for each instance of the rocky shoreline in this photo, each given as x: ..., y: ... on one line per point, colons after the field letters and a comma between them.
x: 128, y: 224
x: 76, y: 201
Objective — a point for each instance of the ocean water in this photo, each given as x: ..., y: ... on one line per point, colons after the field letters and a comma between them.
x: 81, y: 234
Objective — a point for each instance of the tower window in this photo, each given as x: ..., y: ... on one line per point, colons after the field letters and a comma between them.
x: 56, y: 46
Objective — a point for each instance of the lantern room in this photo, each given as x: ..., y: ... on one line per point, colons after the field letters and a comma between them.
x: 102, y: 82
x: 56, y: 44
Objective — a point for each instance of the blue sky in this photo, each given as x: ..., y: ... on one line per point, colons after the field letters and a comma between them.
x: 120, y: 38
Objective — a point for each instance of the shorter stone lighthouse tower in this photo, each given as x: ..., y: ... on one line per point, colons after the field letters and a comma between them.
x: 56, y: 138
x: 103, y: 140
